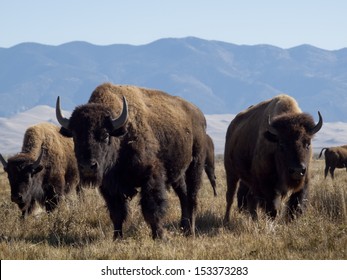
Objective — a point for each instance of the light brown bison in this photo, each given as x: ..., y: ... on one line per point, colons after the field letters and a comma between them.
x: 335, y: 157
x: 159, y: 140
x: 210, y: 163
x: 268, y: 148
x: 44, y: 170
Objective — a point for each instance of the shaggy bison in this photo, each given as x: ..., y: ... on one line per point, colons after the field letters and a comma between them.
x: 335, y: 157
x: 210, y: 163
x: 268, y: 148
x: 44, y: 170
x: 159, y: 140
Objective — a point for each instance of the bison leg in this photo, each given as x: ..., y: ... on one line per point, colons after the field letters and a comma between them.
x: 326, y: 171
x: 117, y: 205
x: 242, y: 193
x: 193, y: 181
x: 252, y: 204
x: 180, y: 189
x: 272, y: 206
x: 332, y: 169
x: 297, y: 204
x: 231, y: 189
x: 51, y: 199
x: 29, y: 210
x: 154, y: 202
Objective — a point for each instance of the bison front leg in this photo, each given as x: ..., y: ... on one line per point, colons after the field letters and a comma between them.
x: 153, y: 204
x: 51, y: 198
x: 180, y: 189
x: 193, y: 182
x: 242, y: 193
x: 296, y: 204
x: 117, y: 206
x: 231, y: 189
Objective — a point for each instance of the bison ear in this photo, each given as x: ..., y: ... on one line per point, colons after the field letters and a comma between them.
x: 270, y: 136
x: 119, y: 132
x: 65, y: 132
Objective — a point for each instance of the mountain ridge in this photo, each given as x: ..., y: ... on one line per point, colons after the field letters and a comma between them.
x: 219, y: 77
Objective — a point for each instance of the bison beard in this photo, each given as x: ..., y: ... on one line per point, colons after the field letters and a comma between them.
x: 136, y: 152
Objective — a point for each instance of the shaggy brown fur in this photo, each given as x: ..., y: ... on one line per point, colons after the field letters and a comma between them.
x: 335, y: 157
x: 270, y: 166
x: 162, y: 143
x: 55, y: 175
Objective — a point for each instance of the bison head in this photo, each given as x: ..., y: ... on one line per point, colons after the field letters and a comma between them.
x: 292, y: 134
x: 24, y: 176
x: 96, y: 137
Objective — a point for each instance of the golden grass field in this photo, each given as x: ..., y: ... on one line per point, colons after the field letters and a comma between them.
x: 81, y: 228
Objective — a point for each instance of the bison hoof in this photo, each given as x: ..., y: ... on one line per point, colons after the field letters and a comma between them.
x: 159, y: 235
x: 118, y: 234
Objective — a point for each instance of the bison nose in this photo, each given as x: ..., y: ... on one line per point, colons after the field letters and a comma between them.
x: 17, y: 198
x: 298, y: 172
x: 90, y: 167
x: 94, y: 166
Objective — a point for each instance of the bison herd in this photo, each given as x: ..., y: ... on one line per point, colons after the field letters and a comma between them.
x: 128, y: 140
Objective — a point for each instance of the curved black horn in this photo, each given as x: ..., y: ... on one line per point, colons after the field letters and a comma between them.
x: 270, y: 128
x: 318, y: 125
x: 3, y: 161
x: 37, y: 162
x: 121, y: 120
x: 64, y: 122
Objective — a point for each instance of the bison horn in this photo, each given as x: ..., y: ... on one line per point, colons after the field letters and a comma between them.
x: 271, y: 129
x: 37, y: 162
x: 64, y: 122
x: 3, y: 161
x: 318, y: 125
x: 121, y: 120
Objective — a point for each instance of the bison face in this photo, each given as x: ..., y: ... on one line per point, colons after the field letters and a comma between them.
x: 25, y: 179
x: 96, y: 138
x: 292, y: 135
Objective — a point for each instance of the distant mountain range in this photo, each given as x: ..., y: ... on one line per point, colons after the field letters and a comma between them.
x: 219, y: 77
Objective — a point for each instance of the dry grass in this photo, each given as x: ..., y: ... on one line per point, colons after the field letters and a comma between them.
x: 83, y: 230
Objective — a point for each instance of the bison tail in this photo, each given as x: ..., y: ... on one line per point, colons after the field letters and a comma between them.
x: 321, y: 152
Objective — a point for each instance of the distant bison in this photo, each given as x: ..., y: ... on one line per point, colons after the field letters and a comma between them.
x: 210, y: 163
x: 335, y: 157
x: 44, y: 170
x: 268, y: 148
x: 158, y: 141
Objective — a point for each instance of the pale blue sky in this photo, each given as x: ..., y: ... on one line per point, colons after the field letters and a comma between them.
x: 281, y: 23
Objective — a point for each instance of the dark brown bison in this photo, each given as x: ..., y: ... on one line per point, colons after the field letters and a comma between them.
x: 158, y: 141
x: 268, y: 148
x: 210, y: 163
x: 44, y: 170
x: 335, y: 157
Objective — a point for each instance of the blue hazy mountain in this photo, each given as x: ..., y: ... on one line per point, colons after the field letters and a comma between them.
x: 218, y: 77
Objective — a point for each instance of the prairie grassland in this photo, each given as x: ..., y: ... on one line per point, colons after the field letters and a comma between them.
x: 81, y: 228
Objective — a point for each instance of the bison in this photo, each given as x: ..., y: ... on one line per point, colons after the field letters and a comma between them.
x: 44, y: 170
x: 159, y: 140
x: 335, y: 157
x: 268, y: 148
x: 210, y: 163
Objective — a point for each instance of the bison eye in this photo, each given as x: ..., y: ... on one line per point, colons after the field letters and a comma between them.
x: 104, y: 137
x: 307, y: 145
